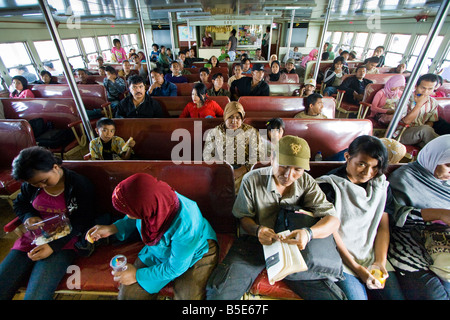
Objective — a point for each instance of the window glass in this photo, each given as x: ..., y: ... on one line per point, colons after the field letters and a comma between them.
x: 361, y: 39
x: 15, y: 56
x: 71, y: 47
x: 399, y: 43
x: 89, y: 45
x: 377, y: 40
x: 393, y: 59
x: 49, y: 56
x: 104, y: 44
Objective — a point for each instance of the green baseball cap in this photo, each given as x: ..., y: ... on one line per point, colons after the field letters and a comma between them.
x: 294, y: 151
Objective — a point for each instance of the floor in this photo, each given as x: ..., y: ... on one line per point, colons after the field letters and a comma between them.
x: 6, y: 242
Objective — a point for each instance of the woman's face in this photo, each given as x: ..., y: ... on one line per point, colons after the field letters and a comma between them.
x: 361, y: 168
x: 234, y: 122
x: 42, y: 179
x: 195, y: 97
x: 442, y: 171
x: 18, y: 85
x: 275, y: 68
x: 214, y: 61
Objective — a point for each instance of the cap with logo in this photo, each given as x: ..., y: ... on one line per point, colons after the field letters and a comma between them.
x: 294, y: 151
x: 258, y: 67
x: 311, y: 82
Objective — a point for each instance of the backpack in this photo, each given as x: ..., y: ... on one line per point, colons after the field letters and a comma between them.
x: 47, y: 136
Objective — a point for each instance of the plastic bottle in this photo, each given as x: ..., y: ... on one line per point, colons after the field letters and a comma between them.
x: 118, y: 263
x: 318, y: 156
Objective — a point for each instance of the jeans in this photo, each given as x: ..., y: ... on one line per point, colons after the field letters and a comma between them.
x: 356, y: 290
x: 235, y: 275
x: 44, y: 275
x: 423, y: 285
x: 328, y: 91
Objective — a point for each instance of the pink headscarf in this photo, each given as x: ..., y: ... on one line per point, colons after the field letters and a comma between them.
x: 394, y: 82
x: 310, y: 57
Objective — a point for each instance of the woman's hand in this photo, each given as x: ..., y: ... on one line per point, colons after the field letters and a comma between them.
x: 40, y: 252
x: 97, y: 232
x: 127, y: 276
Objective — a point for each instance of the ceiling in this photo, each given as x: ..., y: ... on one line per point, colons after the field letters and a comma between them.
x: 158, y: 11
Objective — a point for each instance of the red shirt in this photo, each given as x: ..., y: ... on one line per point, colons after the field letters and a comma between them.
x: 209, y: 109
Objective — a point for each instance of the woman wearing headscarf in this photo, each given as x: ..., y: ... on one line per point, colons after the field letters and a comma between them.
x: 310, y: 57
x: 276, y: 75
x: 233, y: 141
x: 386, y: 99
x: 421, y: 191
x: 180, y: 244
x: 20, y: 88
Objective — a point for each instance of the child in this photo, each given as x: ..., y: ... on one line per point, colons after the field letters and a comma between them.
x: 108, y: 146
x: 115, y: 86
x: 308, y: 89
x: 275, y: 130
x: 118, y: 53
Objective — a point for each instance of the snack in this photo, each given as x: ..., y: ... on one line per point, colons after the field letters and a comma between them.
x: 126, y: 145
x: 89, y: 238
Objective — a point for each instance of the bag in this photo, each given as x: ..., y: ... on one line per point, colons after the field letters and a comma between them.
x: 321, y: 255
x: 47, y: 136
x: 437, y: 243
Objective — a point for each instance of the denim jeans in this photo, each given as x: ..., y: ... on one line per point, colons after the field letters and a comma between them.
x: 328, y: 91
x: 356, y: 290
x: 44, y: 275
x: 235, y: 275
x: 423, y: 285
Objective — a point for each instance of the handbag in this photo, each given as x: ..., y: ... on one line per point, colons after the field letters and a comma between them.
x: 437, y: 243
x: 321, y: 255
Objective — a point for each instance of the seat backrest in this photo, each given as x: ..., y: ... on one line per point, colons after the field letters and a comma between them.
x: 445, y: 88
x: 166, y: 139
x: 282, y: 89
x: 15, y: 135
x: 371, y: 90
x: 213, y: 192
x: 328, y: 136
x: 444, y: 108
x: 176, y: 105
x: 281, y: 107
x: 375, y: 78
x: 60, y: 111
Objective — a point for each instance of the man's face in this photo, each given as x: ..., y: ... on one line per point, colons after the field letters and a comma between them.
x: 157, y: 78
x: 137, y: 91
x: 204, y: 77
x: 218, y: 82
x: 175, y: 68
x: 378, y: 52
x: 82, y: 75
x: 371, y: 65
x: 425, y: 88
x: 286, y: 175
x: 126, y: 66
x: 246, y: 65
x: 258, y: 75
x: 361, y: 73
x: 317, y: 107
x: 289, y: 66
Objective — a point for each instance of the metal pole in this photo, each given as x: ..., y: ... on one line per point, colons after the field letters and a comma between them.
x: 172, y: 39
x: 403, y: 102
x: 290, y: 33
x: 189, y: 34
x: 67, y: 69
x: 322, y: 39
x: 270, y: 41
x: 144, y: 40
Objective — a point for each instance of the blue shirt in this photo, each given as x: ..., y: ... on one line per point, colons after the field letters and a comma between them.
x: 167, y: 89
x: 170, y: 78
x: 181, y: 246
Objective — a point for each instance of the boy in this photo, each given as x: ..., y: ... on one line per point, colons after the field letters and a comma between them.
x: 309, y: 88
x: 109, y: 146
x: 115, y: 86
x: 313, y: 108
x: 371, y: 65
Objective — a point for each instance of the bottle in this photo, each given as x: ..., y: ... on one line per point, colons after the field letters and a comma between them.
x: 318, y: 156
x: 118, y: 263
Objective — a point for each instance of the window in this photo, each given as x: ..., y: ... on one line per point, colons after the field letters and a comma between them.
x: 347, y: 41
x: 105, y: 47
x: 396, y: 49
x: 335, y: 40
x: 420, y: 41
x: 73, y: 53
x: 360, y: 44
x: 90, y: 48
x: 446, y: 63
x: 49, y: 56
x: 15, y: 56
x: 134, y: 41
x: 377, y: 39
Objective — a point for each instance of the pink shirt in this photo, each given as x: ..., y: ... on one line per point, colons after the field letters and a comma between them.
x: 48, y: 206
x: 120, y: 54
x: 379, y: 101
x: 24, y: 94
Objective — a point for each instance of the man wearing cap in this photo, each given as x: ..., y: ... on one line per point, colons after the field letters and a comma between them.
x: 308, y: 89
x: 251, y: 86
x: 289, y: 67
x: 262, y: 193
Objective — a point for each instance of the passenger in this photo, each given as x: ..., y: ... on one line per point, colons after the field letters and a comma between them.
x: 371, y: 65
x: 251, y: 86
x: 330, y: 51
x: 290, y: 67
x: 276, y: 75
x: 352, y: 56
x: 422, y: 199
x: 345, y: 54
x: 378, y: 52
x: 182, y: 57
x: 333, y: 76
x: 258, y: 55
x: 141, y: 68
x: 163, y: 60
x: 179, y: 243
x: 231, y: 45
x: 23, y: 71
x: 204, y: 76
x: 420, y: 114
x: 223, y: 54
x: 126, y: 71
x: 108, y: 146
x: 309, y: 88
x: 118, y: 53
x: 275, y: 131
x: 142, y: 56
x: 131, y: 52
x: 214, y: 62
x: 100, y: 61
x: 201, y: 106
x: 48, y: 65
x: 19, y: 88
x: 115, y: 87
x: 138, y: 104
x: 48, y: 190
x: 46, y: 78
x: 169, y: 54
x: 312, y: 56
x: 83, y: 77
x: 354, y: 86
x: 155, y: 53
x: 246, y: 66
x: 401, y: 68
x: 102, y: 71
x: 437, y: 93
x: 386, y: 100
x: 313, y: 108
x: 207, y: 40
x: 175, y: 76
x: 272, y: 58
x: 183, y: 71
x: 217, y: 88
x: 361, y: 196
x: 237, y: 74
x: 257, y: 205
x: 160, y: 87
x: 233, y: 141
x: 396, y: 151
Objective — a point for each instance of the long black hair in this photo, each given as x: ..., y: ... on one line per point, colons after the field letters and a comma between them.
x: 201, y: 90
x: 24, y: 82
